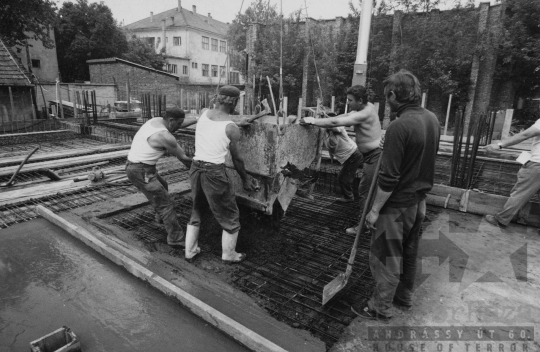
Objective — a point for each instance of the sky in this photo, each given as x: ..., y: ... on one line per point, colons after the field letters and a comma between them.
x: 130, y: 11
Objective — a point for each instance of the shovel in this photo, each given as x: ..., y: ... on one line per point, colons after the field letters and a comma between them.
x: 340, y: 281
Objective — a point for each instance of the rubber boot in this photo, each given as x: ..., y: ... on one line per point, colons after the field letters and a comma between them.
x: 192, y: 243
x: 228, y: 245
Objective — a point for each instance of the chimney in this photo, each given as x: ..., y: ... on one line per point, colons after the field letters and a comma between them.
x: 209, y: 15
x: 179, y: 6
x: 151, y: 17
x: 194, y: 9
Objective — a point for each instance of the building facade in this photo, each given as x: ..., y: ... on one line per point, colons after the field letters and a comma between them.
x: 40, y: 61
x: 195, y: 45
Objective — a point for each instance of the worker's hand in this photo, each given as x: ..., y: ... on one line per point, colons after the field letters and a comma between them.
x: 492, y: 147
x: 381, y: 143
x: 371, y: 219
x: 251, y: 185
x: 307, y: 121
x: 244, y: 122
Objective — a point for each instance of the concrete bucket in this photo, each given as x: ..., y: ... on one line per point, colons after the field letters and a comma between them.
x: 267, y: 148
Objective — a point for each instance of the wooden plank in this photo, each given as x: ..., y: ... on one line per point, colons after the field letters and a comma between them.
x: 31, y: 133
x: 54, y: 164
x: 66, y: 154
x: 41, y: 190
x: 219, y: 320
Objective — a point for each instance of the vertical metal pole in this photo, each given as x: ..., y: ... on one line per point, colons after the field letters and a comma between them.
x: 12, y: 105
x: 128, y: 96
x: 61, y: 107
x: 300, y: 102
x: 448, y: 114
x: 75, y: 110
x: 333, y: 103
x: 423, y: 100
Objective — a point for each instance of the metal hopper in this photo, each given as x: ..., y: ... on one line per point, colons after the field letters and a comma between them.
x: 267, y: 148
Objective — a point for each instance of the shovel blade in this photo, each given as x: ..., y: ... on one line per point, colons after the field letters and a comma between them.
x: 334, y: 286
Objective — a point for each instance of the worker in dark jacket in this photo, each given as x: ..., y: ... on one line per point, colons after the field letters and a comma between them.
x: 406, y: 175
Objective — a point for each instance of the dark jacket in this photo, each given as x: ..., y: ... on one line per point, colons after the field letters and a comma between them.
x: 408, y: 162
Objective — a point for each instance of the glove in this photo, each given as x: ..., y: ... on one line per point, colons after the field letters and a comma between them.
x: 308, y: 120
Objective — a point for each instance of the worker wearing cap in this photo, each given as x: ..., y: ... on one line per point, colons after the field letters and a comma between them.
x: 528, y: 177
x: 365, y: 119
x: 150, y: 143
x: 215, y: 136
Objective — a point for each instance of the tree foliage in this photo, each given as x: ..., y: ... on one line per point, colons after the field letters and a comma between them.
x: 519, y: 54
x: 142, y: 53
x: 86, y: 31
x: 27, y: 19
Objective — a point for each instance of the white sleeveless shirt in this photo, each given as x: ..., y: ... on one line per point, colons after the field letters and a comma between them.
x: 211, y: 141
x: 141, y: 151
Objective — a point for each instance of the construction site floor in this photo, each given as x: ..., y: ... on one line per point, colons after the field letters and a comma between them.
x: 49, y: 279
x: 472, y: 277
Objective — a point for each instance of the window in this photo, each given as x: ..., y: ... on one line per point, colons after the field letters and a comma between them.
x: 36, y: 63
x: 184, y: 70
x: 222, y: 71
x: 205, y: 41
x: 193, y: 65
x: 177, y: 41
x: 158, y: 42
x: 234, y: 78
x: 222, y: 46
x: 172, y: 68
x: 150, y: 41
x: 214, y: 44
x: 214, y: 70
x: 205, y: 70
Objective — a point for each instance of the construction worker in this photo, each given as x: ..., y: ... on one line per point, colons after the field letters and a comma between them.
x: 365, y: 119
x: 216, y: 134
x: 150, y: 143
x: 395, y: 219
x: 528, y: 177
x: 342, y: 148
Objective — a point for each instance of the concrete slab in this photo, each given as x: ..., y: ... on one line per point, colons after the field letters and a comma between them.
x: 49, y: 279
x: 204, y: 285
x: 472, y: 277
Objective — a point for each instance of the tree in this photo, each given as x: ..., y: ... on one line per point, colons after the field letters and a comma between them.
x: 142, y: 53
x: 519, y: 55
x: 86, y: 31
x: 27, y: 19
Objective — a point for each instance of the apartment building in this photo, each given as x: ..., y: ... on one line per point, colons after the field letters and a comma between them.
x: 195, y: 45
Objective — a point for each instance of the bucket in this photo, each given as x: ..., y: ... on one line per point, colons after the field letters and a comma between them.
x: 61, y: 340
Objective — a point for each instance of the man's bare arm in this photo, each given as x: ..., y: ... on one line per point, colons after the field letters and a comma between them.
x: 233, y: 132
x: 188, y: 122
x: 165, y: 140
x: 516, y: 139
x: 350, y: 119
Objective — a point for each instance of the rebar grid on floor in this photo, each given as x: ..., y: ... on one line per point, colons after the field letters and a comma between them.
x: 290, y: 288
x: 14, y: 213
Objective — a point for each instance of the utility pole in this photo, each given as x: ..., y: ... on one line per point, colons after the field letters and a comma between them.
x: 360, y: 65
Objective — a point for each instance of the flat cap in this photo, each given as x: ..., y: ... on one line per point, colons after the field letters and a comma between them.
x: 229, y: 91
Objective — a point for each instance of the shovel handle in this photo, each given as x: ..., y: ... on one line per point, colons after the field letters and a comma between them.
x: 364, y: 212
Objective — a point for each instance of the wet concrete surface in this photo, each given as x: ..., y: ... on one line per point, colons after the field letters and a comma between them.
x: 49, y: 279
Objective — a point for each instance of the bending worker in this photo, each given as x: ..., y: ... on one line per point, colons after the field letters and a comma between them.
x: 528, y: 177
x: 368, y: 136
x: 344, y: 150
x: 215, y: 136
x: 150, y: 144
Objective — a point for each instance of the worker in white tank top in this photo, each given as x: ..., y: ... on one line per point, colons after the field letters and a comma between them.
x: 149, y: 144
x: 215, y: 136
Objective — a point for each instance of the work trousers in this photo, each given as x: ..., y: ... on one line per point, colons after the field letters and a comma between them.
x: 347, y: 174
x: 369, y: 165
x: 154, y: 187
x: 392, y: 258
x: 210, y: 186
x: 528, y: 183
